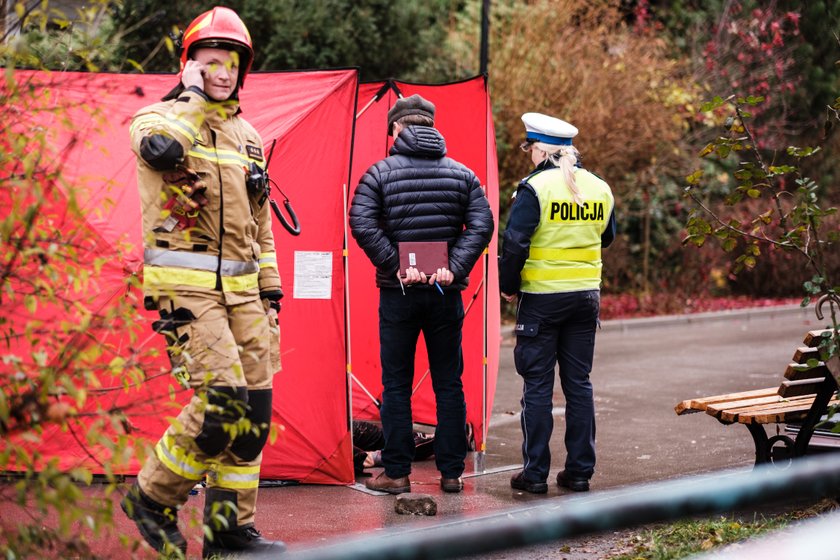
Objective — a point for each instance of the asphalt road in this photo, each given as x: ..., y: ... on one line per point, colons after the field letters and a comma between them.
x: 643, y: 368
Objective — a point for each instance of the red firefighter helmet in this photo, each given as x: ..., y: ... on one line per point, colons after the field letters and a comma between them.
x: 221, y: 28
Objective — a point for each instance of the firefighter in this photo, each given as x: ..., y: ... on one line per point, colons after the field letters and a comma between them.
x: 210, y: 271
x: 561, y: 217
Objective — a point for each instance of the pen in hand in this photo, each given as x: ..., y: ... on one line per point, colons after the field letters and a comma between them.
x: 438, y: 287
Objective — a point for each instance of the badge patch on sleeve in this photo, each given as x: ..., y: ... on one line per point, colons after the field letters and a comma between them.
x: 254, y: 152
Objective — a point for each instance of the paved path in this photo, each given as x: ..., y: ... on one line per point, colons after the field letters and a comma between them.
x: 642, y: 369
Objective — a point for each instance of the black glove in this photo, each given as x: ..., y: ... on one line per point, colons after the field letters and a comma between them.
x: 273, y: 298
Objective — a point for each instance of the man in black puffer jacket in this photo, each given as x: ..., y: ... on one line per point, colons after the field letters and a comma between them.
x: 419, y: 194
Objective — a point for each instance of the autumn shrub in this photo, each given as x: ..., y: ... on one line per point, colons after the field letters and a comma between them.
x: 581, y: 62
x: 70, y: 341
x: 636, y: 99
x: 780, y: 272
x: 771, y: 214
x: 756, y: 51
x: 751, y: 53
x: 577, y: 61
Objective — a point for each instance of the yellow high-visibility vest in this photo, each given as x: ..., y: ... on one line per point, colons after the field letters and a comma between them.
x: 565, y: 251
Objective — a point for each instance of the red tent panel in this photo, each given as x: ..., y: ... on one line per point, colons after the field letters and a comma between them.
x: 311, y: 115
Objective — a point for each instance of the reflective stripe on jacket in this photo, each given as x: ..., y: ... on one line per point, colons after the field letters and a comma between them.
x: 565, y: 254
x: 231, y: 247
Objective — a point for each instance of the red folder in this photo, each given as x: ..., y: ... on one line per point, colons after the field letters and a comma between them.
x: 425, y: 256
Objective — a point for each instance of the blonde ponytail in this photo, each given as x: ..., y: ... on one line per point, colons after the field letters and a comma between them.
x: 564, y: 158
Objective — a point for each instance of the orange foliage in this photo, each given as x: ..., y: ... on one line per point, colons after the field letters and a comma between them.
x: 578, y: 61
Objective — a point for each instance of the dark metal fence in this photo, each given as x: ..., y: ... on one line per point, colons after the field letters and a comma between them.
x: 561, y: 518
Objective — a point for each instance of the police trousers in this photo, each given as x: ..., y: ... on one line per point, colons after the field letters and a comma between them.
x: 228, y: 355
x: 557, y: 329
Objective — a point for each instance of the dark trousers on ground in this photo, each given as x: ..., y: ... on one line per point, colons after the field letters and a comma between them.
x: 556, y: 329
x: 402, y: 317
x: 366, y: 437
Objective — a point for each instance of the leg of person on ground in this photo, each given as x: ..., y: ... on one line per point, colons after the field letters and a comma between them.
x: 368, y: 441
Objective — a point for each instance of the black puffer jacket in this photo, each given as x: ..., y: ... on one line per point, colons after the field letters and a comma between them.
x: 419, y: 194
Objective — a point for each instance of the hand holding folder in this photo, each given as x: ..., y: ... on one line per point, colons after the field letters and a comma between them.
x: 427, y: 257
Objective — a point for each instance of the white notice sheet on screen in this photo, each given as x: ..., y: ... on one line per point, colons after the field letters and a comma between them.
x: 313, y: 275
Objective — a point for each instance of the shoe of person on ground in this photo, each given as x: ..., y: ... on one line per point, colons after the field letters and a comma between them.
x: 452, y: 485
x: 384, y: 483
x: 158, y: 524
x: 368, y: 442
x: 241, y: 542
x: 573, y: 483
x: 375, y: 458
x: 519, y: 482
x: 424, y: 446
x: 365, y: 460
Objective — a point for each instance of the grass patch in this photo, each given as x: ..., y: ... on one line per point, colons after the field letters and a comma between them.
x: 684, y: 538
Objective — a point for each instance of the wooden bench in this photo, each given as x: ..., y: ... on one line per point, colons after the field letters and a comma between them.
x: 804, y: 396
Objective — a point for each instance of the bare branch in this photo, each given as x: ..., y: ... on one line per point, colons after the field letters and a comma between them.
x: 741, y: 232
x: 757, y: 153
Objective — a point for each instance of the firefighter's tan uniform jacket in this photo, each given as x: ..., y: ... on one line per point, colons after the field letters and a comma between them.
x: 210, y: 278
x: 231, y: 248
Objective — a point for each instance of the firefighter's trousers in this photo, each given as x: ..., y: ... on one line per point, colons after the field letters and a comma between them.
x: 228, y: 355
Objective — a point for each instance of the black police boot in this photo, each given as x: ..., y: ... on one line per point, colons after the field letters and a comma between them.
x: 158, y: 524
x: 241, y: 542
x: 572, y: 482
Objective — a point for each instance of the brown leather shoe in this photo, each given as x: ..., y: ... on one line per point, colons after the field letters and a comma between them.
x: 452, y: 484
x: 384, y: 483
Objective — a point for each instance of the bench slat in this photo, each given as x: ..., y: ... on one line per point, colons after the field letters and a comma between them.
x: 805, y: 353
x: 699, y: 404
x: 733, y: 407
x: 787, y: 413
x: 813, y: 338
x: 794, y: 372
x: 800, y: 387
x: 733, y: 414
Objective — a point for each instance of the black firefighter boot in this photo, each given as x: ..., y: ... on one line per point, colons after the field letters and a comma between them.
x: 158, y: 524
x: 234, y: 542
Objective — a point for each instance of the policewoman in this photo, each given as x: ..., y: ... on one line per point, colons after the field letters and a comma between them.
x: 210, y: 271
x: 561, y: 217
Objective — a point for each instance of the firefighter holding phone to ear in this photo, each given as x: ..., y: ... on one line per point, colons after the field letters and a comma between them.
x: 210, y: 270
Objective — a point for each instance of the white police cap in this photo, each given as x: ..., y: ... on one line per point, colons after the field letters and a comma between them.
x: 542, y: 128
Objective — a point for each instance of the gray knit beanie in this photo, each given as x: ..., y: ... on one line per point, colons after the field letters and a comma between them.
x: 414, y: 105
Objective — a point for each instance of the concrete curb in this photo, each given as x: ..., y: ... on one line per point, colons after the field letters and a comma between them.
x: 793, y: 310
x: 745, y: 314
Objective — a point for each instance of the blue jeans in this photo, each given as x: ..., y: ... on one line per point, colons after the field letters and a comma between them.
x: 401, y: 320
x: 554, y: 329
